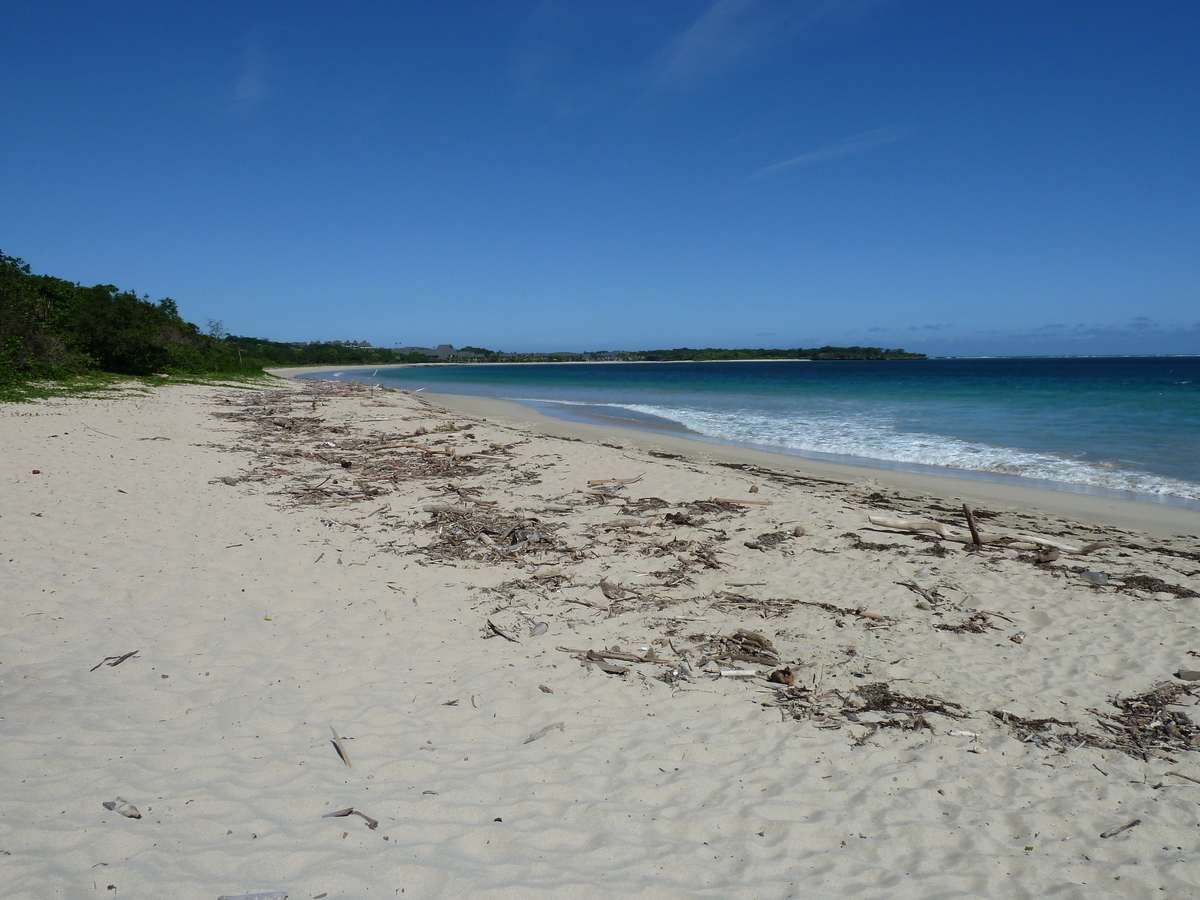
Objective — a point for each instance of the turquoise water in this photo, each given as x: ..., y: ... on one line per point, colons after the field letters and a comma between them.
x: 1107, y: 424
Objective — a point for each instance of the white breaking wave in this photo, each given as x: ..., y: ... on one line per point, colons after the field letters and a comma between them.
x: 869, y: 438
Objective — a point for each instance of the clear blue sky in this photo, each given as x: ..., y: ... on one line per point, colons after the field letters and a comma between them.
x: 952, y: 177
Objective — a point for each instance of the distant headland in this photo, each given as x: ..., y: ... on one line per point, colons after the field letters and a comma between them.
x: 362, y: 353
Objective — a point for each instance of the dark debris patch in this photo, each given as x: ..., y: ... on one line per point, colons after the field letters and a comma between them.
x: 1154, y: 585
x: 976, y: 623
x: 880, y: 697
x: 1049, y: 732
x: 1168, y: 551
x: 487, y: 536
x: 857, y: 543
x: 644, y: 505
x: 741, y: 646
x: 876, y: 500
x: 716, y: 508
x: 873, y: 706
x: 769, y: 541
x: 1143, y: 727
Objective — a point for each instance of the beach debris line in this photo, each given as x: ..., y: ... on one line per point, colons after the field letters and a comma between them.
x: 874, y: 706
x: 114, y: 660
x: 1153, y: 585
x: 1143, y: 727
x: 124, y: 807
x: 351, y: 811
x: 571, y: 541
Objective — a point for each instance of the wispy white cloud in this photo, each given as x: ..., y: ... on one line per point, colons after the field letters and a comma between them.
x: 730, y: 34
x: 570, y: 56
x: 726, y: 34
x: 859, y: 143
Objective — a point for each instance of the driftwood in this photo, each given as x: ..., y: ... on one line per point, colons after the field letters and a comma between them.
x: 584, y: 603
x: 608, y: 667
x: 600, y: 655
x: 1185, y: 777
x: 496, y: 630
x: 1017, y: 542
x: 971, y: 524
x: 634, y: 480
x: 1115, y: 831
x: 741, y: 502
x: 351, y: 811
x: 113, y: 660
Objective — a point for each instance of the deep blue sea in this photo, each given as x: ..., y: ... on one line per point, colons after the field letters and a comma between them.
x: 1128, y: 424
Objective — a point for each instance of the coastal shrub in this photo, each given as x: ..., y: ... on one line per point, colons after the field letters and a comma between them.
x: 54, y: 329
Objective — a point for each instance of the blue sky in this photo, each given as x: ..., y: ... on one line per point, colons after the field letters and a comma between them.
x: 950, y: 177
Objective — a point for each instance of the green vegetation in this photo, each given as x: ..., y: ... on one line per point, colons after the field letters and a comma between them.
x: 55, y: 331
x: 57, y: 337
x: 273, y: 353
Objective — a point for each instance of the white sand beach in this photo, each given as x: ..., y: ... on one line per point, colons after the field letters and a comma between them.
x: 545, y: 650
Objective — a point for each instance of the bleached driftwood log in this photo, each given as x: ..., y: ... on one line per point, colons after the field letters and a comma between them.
x: 1018, y: 542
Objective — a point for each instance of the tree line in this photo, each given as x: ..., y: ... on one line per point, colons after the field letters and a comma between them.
x: 53, y: 328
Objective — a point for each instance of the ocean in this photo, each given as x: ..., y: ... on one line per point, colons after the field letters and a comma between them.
x: 1110, y: 425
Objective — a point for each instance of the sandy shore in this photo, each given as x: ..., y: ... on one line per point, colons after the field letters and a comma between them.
x: 1157, y: 519
x: 427, y: 581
